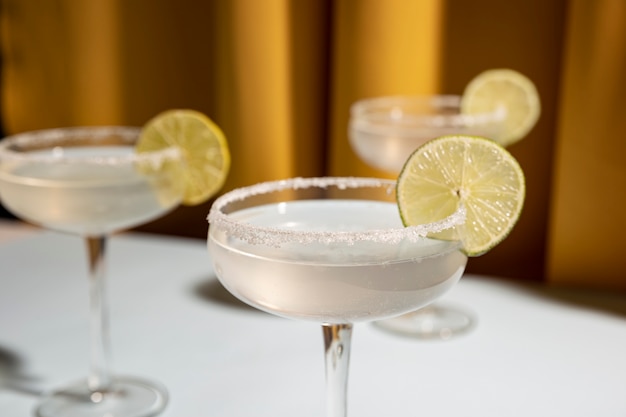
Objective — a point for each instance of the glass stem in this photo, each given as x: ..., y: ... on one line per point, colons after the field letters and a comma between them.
x: 337, y: 339
x: 99, y: 378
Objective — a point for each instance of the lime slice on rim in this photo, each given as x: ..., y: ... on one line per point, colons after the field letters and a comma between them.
x: 510, y: 90
x: 473, y: 171
x: 203, y: 146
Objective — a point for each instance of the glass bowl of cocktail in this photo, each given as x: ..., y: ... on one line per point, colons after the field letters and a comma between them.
x: 328, y: 250
x: 501, y: 105
x: 92, y: 182
x: 339, y: 251
x: 384, y: 131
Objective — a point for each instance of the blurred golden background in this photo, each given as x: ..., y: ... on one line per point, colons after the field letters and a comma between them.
x: 279, y: 77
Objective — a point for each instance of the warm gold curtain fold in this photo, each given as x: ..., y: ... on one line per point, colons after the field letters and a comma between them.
x: 587, y: 218
x: 51, y: 77
x: 279, y: 76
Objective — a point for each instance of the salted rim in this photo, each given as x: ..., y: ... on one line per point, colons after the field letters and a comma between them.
x: 273, y: 236
x: 365, y: 114
x: 46, y: 136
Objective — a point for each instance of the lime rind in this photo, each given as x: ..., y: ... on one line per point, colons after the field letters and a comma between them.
x: 474, y: 172
x: 203, y: 146
x: 509, y: 90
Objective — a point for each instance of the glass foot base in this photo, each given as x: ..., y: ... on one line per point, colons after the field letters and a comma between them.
x: 430, y: 322
x: 128, y: 397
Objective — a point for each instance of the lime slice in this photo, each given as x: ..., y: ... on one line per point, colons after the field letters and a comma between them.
x: 203, y: 146
x: 476, y: 172
x: 510, y: 90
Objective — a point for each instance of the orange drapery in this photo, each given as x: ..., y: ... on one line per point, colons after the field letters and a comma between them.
x: 586, y: 221
x: 279, y: 76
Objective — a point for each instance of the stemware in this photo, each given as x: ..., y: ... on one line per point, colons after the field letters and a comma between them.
x: 333, y: 251
x: 88, y: 181
x: 383, y: 132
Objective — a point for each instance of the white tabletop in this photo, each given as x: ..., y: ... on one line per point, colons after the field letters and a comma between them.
x: 534, y: 351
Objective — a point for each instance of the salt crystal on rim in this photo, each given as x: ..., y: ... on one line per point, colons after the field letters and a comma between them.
x: 45, y: 137
x: 273, y: 236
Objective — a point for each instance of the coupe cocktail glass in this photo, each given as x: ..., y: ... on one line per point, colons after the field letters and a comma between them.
x: 333, y: 251
x: 90, y: 182
x: 383, y: 132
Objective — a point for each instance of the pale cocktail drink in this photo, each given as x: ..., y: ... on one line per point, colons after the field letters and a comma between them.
x: 334, y: 283
x: 87, y: 198
x: 384, y: 131
x: 89, y: 181
x: 330, y: 250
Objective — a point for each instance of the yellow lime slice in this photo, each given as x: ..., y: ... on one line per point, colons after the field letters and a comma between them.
x: 473, y: 171
x: 510, y: 90
x: 203, y: 146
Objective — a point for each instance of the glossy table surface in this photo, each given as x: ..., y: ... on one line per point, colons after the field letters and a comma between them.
x: 534, y: 351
